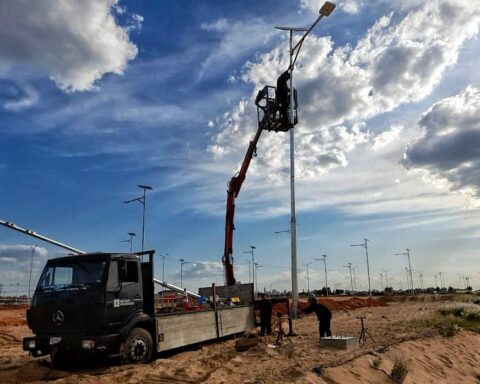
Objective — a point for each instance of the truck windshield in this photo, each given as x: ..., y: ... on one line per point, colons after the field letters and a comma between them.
x: 71, y: 274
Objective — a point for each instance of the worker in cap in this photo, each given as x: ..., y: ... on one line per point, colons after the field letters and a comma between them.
x: 324, y: 315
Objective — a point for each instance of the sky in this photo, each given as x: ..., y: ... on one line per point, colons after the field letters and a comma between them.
x: 100, y: 96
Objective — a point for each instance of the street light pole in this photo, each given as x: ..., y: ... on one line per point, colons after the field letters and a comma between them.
x: 308, y: 276
x: 131, y: 234
x: 324, y: 259
x: 365, y: 245
x: 31, y: 267
x: 381, y: 281
x: 256, y: 276
x: 182, y: 263
x: 409, y: 267
x: 349, y: 266
x: 252, y: 252
x: 142, y: 200
x: 326, y: 9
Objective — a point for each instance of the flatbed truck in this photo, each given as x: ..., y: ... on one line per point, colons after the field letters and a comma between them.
x: 105, y: 303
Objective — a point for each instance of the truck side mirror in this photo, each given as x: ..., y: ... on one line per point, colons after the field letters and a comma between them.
x: 114, y: 276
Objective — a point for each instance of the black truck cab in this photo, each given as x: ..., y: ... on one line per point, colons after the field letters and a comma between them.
x: 97, y: 302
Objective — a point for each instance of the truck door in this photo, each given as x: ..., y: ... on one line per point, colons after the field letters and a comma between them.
x: 124, y: 291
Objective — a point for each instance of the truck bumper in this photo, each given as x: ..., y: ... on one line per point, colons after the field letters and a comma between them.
x: 41, y: 345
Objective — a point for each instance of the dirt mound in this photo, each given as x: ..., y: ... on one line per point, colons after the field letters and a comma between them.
x: 336, y: 304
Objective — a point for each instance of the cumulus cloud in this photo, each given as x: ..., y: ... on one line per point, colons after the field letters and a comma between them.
x: 397, y: 61
x: 449, y: 147
x: 203, y: 269
x: 74, y: 43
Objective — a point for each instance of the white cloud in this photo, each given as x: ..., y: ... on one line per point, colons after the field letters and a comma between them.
x: 22, y: 98
x: 74, y: 43
x: 449, y: 148
x: 396, y: 62
x: 233, y: 43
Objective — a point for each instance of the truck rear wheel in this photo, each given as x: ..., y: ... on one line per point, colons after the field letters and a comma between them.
x: 138, y: 347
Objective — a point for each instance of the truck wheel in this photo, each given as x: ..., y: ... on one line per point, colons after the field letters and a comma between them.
x: 138, y: 347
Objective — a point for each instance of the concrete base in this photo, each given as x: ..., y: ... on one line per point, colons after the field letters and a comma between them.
x: 340, y: 342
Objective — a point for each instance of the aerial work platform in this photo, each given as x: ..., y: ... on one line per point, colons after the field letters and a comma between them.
x: 273, y: 106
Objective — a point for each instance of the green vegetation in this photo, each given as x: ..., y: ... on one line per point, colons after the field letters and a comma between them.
x: 450, y: 318
x: 376, y: 361
x: 399, y: 370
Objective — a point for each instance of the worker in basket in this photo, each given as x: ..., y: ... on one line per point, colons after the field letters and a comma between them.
x: 324, y: 315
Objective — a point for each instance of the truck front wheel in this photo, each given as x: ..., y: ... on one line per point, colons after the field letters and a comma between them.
x: 138, y: 347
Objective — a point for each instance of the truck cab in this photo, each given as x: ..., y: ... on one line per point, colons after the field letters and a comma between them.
x: 97, y: 302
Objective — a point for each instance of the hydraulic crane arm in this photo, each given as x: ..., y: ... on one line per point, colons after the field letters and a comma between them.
x: 234, y: 187
x: 36, y: 235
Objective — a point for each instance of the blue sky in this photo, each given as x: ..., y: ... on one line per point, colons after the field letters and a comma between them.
x: 97, y: 98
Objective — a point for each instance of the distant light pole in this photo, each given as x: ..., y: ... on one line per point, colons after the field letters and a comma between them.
x: 308, y: 277
x: 381, y: 281
x: 182, y: 263
x: 442, y: 280
x: 324, y: 259
x: 436, y: 283
x: 252, y: 252
x: 365, y: 245
x: 163, y: 256
x: 325, y: 10
x: 142, y: 200
x: 354, y: 278
x: 31, y: 267
x: 408, y: 278
x: 409, y: 267
x: 130, y: 241
x: 349, y: 266
x: 386, y: 277
x: 256, y: 275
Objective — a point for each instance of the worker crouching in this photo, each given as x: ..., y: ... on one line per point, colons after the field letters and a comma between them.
x: 324, y: 315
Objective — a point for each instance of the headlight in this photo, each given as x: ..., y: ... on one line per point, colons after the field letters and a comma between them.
x: 88, y: 344
x: 31, y: 344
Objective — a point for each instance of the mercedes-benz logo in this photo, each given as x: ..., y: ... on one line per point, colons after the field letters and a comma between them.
x: 58, y: 318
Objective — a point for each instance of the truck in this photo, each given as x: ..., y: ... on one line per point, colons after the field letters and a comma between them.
x: 105, y: 303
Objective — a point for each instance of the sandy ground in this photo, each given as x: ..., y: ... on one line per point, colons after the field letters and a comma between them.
x: 432, y: 359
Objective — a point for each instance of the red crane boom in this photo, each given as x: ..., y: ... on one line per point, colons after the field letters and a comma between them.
x: 234, y: 187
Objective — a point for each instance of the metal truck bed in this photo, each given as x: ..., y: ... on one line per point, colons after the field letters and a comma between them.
x: 179, y: 330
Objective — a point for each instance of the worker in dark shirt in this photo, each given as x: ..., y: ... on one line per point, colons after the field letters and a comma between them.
x: 324, y: 315
x: 265, y: 316
x: 283, y: 95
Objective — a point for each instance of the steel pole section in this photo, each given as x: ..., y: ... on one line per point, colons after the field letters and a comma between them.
x: 410, y: 268
x: 143, y: 217
x: 368, y: 269
x: 293, y: 219
x: 325, y: 266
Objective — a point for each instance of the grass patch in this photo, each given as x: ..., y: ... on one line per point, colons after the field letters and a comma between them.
x: 399, y: 370
x: 450, y: 318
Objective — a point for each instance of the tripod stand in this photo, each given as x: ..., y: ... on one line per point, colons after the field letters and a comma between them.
x: 364, y: 334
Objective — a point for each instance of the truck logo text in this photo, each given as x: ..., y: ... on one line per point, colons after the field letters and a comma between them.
x: 120, y: 303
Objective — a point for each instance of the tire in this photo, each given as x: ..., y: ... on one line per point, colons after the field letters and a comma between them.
x: 137, y: 348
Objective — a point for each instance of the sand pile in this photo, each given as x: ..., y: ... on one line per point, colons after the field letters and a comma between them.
x: 336, y: 304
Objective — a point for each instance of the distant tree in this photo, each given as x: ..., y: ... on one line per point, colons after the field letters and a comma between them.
x: 469, y: 288
x: 451, y: 289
